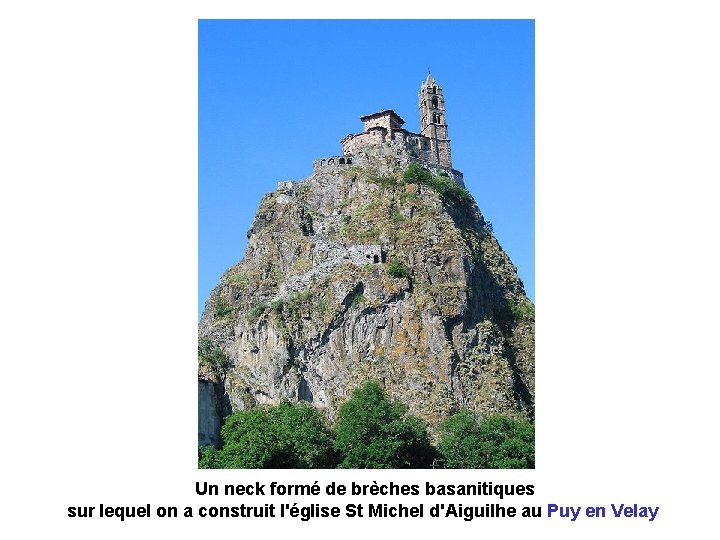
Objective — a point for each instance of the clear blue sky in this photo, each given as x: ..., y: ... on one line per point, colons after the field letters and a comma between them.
x: 274, y: 95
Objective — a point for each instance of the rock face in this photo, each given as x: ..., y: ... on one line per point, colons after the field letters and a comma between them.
x: 355, y: 273
x: 209, y: 413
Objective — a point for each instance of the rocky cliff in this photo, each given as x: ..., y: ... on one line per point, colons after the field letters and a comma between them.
x: 364, y: 272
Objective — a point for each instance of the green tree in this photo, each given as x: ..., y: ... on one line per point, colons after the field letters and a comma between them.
x: 286, y: 436
x: 250, y: 441
x: 371, y: 433
x: 499, y: 442
x: 508, y: 443
x: 415, y: 174
x: 460, y: 443
x: 301, y: 429
x: 208, y: 458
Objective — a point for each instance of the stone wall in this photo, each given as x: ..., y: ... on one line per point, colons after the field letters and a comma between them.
x: 406, y: 148
x: 406, y: 145
x: 331, y: 163
x: 386, y: 120
x: 352, y: 144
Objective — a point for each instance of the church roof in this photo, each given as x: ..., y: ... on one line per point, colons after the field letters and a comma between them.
x: 383, y: 113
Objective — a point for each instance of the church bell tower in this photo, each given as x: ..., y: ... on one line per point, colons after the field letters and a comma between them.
x: 433, y: 123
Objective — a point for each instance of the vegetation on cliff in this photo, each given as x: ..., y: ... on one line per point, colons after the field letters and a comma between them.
x: 447, y: 188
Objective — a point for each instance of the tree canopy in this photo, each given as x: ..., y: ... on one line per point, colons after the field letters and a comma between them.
x: 286, y: 436
x: 498, y: 442
x: 372, y: 433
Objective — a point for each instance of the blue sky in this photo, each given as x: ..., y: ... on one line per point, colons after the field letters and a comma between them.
x: 274, y: 95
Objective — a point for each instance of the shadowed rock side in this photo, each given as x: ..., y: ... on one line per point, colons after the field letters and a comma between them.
x: 352, y: 275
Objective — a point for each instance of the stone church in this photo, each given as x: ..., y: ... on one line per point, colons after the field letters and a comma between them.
x: 383, y: 134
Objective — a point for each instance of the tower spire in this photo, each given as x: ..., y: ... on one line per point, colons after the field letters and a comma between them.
x: 433, y: 123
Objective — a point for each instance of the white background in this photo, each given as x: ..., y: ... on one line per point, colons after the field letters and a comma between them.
x: 99, y: 218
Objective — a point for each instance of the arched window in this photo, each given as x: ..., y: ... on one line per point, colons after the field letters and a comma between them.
x: 342, y: 161
x: 434, y: 103
x: 331, y: 161
x: 349, y: 161
x: 322, y: 162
